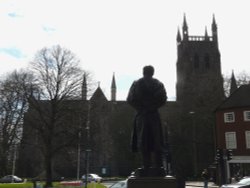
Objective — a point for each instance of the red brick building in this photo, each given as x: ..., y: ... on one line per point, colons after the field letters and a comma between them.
x: 233, y: 129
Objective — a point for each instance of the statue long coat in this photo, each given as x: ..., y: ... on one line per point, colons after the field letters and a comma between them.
x: 146, y: 95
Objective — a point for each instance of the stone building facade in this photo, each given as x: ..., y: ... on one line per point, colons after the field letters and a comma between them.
x: 188, y: 122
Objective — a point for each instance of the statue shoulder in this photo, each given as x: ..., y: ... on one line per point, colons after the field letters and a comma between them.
x: 133, y: 87
x: 160, y: 90
x: 137, y: 83
x: 158, y: 83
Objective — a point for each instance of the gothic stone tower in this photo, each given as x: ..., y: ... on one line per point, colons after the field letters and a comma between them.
x: 199, y: 90
x: 198, y: 68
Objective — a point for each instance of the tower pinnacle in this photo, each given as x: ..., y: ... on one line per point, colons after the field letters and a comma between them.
x: 113, y: 88
x: 185, y: 28
x: 84, y: 88
x: 233, y: 85
x: 178, y: 38
x: 206, y: 35
x: 214, y: 31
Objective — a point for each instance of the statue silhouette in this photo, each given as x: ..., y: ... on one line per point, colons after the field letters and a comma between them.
x: 146, y: 95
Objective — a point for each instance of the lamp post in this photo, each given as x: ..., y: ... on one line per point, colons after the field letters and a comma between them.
x: 167, y: 153
x: 87, y: 151
x: 194, y: 146
x: 87, y: 147
x: 78, y: 155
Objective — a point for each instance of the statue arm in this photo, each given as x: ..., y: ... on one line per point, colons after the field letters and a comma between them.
x: 132, y: 98
x: 161, y: 95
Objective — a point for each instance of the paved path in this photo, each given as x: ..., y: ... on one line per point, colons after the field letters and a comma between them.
x: 200, y: 184
x: 189, y: 184
x: 108, y: 183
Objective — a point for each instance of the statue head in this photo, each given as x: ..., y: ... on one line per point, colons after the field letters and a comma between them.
x: 148, y: 71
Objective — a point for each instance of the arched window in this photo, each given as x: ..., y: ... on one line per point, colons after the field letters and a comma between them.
x: 196, y: 61
x: 207, y: 61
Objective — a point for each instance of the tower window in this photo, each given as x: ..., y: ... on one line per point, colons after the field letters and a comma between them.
x: 196, y: 61
x: 207, y: 61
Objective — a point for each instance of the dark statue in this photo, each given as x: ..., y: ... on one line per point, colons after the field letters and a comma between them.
x: 146, y: 95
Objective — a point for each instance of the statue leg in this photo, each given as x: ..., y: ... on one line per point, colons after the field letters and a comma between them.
x: 146, y: 156
x: 152, y: 159
x: 158, y: 159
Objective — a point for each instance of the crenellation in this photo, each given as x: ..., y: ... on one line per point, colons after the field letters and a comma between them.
x: 200, y: 38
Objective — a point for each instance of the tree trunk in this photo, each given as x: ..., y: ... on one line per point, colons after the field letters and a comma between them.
x: 3, y: 164
x: 48, y: 169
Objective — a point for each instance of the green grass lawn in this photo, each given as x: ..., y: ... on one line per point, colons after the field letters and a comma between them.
x: 56, y: 185
x: 16, y: 185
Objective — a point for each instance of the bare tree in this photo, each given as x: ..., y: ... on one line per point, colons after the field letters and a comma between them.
x: 58, y: 73
x: 59, y: 79
x: 241, y: 79
x: 14, y: 89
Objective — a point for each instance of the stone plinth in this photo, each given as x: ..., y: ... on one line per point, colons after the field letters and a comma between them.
x: 152, y: 182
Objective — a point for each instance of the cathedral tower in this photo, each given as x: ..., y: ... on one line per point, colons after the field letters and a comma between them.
x: 198, y: 67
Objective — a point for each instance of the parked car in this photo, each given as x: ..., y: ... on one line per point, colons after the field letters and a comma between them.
x: 92, y: 177
x: 10, y: 179
x: 243, y: 183
x: 119, y: 184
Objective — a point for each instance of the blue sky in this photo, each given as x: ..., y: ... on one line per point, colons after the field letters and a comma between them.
x: 12, y: 51
x: 121, y: 36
